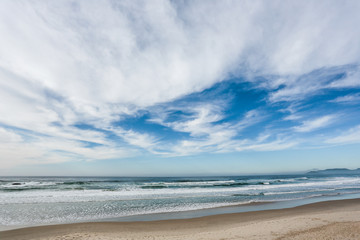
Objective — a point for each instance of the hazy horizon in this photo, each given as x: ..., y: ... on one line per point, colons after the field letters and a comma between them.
x: 184, y: 175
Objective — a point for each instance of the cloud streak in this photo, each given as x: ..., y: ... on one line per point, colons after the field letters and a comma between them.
x: 350, y: 136
x: 311, y: 125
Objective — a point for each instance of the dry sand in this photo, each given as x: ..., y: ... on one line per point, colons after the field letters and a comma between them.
x: 330, y: 220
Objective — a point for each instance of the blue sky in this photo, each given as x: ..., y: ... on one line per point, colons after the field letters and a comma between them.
x: 154, y: 88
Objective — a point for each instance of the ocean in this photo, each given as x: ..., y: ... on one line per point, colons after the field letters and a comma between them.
x: 29, y: 201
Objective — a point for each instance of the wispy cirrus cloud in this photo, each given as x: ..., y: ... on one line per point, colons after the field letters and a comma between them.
x: 314, y: 124
x: 350, y: 136
x: 349, y: 99
x: 300, y: 87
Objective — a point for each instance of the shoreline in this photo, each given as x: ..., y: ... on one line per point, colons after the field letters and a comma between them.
x: 267, y: 224
x: 229, y: 209
x: 198, y: 213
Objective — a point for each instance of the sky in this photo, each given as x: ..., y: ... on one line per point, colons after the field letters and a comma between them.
x: 178, y: 88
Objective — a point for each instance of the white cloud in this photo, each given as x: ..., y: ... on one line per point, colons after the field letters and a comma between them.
x: 7, y: 136
x: 203, y: 123
x: 162, y: 51
x: 352, y: 80
x: 350, y: 136
x: 296, y: 88
x: 349, y: 99
x: 139, y: 57
x: 46, y: 150
x: 207, y: 135
x: 269, y: 146
x: 140, y: 140
x: 311, y: 125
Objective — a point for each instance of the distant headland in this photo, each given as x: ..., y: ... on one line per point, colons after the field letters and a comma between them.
x: 335, y: 171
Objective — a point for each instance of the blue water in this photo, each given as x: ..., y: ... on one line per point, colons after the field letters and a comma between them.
x: 28, y: 201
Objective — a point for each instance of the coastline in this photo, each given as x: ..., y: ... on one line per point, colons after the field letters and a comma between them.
x: 229, y: 209
x: 322, y: 220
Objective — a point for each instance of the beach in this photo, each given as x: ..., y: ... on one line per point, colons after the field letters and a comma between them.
x: 338, y: 219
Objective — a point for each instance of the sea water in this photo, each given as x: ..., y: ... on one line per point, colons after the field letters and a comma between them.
x: 28, y: 201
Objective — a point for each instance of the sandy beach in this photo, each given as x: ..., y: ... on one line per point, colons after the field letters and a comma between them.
x: 325, y: 220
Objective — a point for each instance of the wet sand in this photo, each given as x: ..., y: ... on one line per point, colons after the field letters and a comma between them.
x: 334, y: 220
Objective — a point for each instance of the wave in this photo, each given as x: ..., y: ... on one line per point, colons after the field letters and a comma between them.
x: 246, y: 195
x: 154, y: 187
x: 202, y: 184
x: 26, y: 184
x: 75, y: 183
x: 240, y: 184
x: 91, y: 182
x: 193, y: 181
x: 19, y: 189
